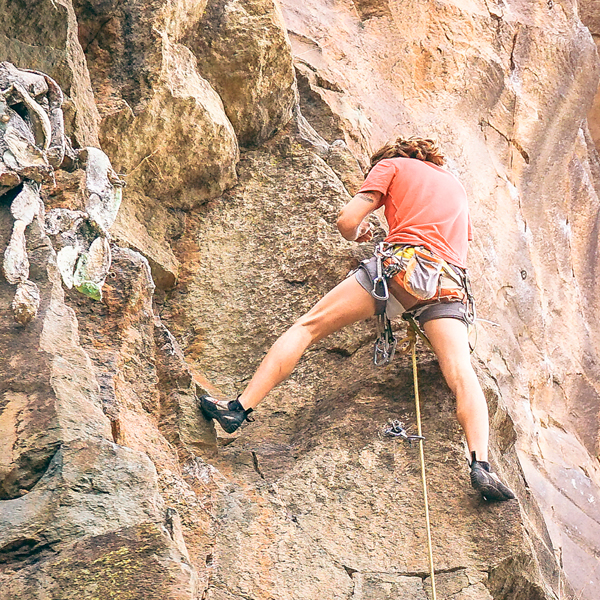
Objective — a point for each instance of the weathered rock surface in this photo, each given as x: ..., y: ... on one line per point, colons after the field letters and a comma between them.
x: 279, y: 225
x: 163, y: 125
x: 49, y: 393
x: 43, y: 35
x: 243, y: 50
x: 131, y: 562
x: 590, y: 16
x: 148, y: 227
x: 70, y: 496
x: 111, y: 482
x: 26, y: 302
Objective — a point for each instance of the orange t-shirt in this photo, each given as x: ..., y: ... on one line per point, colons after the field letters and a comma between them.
x: 425, y: 205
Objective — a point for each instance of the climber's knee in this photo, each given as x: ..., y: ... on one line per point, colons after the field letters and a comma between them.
x: 313, y: 326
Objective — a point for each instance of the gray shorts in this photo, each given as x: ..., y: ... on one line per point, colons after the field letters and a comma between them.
x: 448, y: 309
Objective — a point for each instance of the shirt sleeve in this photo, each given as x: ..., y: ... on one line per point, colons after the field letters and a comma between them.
x: 469, y: 229
x: 380, y: 178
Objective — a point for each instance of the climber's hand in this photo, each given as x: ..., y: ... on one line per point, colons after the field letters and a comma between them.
x: 365, y: 232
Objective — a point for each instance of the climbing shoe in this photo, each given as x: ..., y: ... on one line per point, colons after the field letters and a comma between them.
x: 487, y: 483
x: 228, y: 414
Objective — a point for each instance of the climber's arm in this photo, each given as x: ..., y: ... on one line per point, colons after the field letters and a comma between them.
x: 351, y: 223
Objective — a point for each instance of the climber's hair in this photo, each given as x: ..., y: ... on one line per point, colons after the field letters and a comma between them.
x: 412, y: 147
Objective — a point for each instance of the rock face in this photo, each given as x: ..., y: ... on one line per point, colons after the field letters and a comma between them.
x: 510, y: 115
x: 44, y: 36
x: 243, y: 49
x: 71, y: 496
x: 111, y: 482
x: 325, y: 498
x: 163, y: 125
x: 590, y: 15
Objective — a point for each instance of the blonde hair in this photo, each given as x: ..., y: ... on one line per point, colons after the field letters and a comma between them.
x: 412, y: 147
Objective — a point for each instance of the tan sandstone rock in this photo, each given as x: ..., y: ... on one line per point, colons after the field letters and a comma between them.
x: 163, y: 125
x: 590, y: 15
x: 111, y: 481
x: 192, y: 156
x: 44, y: 35
x: 49, y: 392
x: 496, y: 83
x: 26, y: 302
x: 107, y: 494
x: 140, y: 560
x: 70, y: 496
x: 243, y: 50
x: 146, y: 226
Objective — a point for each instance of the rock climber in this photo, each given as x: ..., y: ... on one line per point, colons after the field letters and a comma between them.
x: 429, y: 228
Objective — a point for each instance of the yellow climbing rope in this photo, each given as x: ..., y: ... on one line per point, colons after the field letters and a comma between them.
x: 422, y: 456
x: 409, y: 344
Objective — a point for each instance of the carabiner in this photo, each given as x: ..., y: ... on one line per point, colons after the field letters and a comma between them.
x: 385, y: 346
x: 380, y: 280
x: 396, y: 429
x: 383, y: 282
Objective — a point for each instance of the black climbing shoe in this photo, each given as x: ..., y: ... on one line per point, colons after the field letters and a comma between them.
x: 229, y: 414
x: 487, y: 483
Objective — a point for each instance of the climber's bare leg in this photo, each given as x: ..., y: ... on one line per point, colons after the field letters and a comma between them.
x: 346, y: 303
x: 450, y: 343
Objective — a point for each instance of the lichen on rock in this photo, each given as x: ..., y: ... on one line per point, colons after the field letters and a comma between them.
x: 104, y: 188
x: 92, y: 268
x: 35, y: 144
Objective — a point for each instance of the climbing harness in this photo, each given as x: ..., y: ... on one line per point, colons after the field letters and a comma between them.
x: 425, y: 276
x: 420, y: 272
x: 396, y: 430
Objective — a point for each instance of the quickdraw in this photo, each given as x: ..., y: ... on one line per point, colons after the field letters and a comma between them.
x: 385, y: 344
x: 396, y: 429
